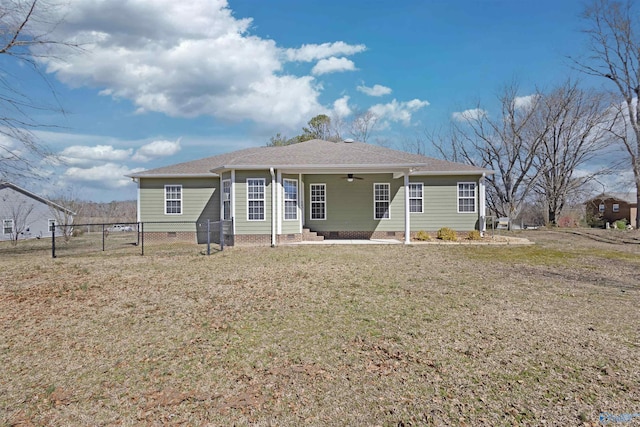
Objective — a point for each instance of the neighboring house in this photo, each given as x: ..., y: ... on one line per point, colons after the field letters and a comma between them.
x: 343, y: 190
x: 611, y: 207
x: 25, y: 215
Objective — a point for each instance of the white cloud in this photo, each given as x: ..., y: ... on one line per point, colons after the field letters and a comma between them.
x: 376, y: 90
x: 109, y: 175
x: 312, y: 52
x: 190, y: 59
x: 524, y: 101
x: 85, y: 155
x: 333, y: 65
x: 470, y: 114
x: 395, y: 111
x: 341, y: 107
x: 156, y: 149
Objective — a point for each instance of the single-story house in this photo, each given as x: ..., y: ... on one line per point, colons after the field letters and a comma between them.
x: 337, y: 190
x: 26, y: 215
x: 611, y: 207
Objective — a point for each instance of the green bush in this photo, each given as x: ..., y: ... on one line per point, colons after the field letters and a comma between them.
x: 474, y: 235
x: 621, y: 224
x: 446, y: 233
x: 422, y: 235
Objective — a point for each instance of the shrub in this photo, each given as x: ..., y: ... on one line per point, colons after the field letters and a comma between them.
x: 446, y: 233
x: 621, y: 224
x: 422, y: 235
x: 474, y: 235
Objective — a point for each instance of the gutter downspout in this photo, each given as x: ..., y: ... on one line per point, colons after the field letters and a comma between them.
x: 273, y: 207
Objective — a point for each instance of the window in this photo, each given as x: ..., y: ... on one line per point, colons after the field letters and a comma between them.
x: 7, y: 226
x: 173, y: 199
x: 255, y: 199
x: 381, y: 198
x: 616, y: 207
x: 466, y: 197
x: 601, y: 207
x: 415, y: 198
x: 290, y: 199
x: 52, y: 225
x: 318, y: 201
x: 226, y: 199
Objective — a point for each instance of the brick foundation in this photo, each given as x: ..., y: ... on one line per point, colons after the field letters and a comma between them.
x: 170, y: 236
x: 252, y: 240
x: 361, y: 235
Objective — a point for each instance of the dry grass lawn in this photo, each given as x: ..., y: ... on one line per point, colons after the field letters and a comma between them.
x: 324, y: 335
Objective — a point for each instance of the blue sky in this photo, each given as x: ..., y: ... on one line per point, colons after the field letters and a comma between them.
x: 163, y: 82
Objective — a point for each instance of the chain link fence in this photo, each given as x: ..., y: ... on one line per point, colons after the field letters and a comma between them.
x: 167, y: 237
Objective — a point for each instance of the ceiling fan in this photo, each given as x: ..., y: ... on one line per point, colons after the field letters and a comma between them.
x: 350, y: 177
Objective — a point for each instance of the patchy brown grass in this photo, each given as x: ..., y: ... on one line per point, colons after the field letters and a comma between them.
x: 324, y: 335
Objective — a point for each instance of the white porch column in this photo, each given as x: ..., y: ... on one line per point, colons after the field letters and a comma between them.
x: 407, y: 213
x: 233, y: 199
x: 482, y: 197
x: 279, y: 197
x: 301, y: 201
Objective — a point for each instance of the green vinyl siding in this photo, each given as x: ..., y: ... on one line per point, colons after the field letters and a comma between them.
x: 200, y: 201
x: 350, y: 204
x: 291, y: 226
x: 242, y: 224
x: 441, y: 204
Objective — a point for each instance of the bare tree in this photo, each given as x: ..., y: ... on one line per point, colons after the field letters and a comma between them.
x: 506, y: 144
x: 64, y: 207
x: 26, y: 36
x: 614, y: 54
x: 574, y: 126
x: 362, y: 125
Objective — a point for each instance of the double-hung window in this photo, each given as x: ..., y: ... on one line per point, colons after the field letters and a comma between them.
x: 173, y: 199
x: 616, y: 207
x: 601, y: 208
x: 381, y: 200
x: 416, y: 203
x: 7, y: 226
x: 318, y: 201
x: 255, y: 199
x: 226, y: 199
x: 290, y: 199
x: 466, y: 197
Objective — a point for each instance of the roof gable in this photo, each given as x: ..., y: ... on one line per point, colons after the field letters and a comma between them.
x: 4, y: 184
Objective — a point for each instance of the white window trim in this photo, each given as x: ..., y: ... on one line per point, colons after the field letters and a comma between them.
x: 601, y: 208
x: 224, y: 198
x: 616, y: 207
x: 263, y: 200
x: 421, y: 184
x: 285, y: 200
x: 311, y: 202
x: 13, y: 226
x: 475, y: 197
x: 166, y: 200
x: 388, y: 201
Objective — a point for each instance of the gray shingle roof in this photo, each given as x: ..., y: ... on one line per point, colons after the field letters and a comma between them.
x: 314, y: 155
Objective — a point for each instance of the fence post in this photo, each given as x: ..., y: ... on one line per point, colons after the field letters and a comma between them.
x: 102, y: 237
x: 53, y: 241
x: 208, y: 237
x: 221, y: 234
x: 142, y: 237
